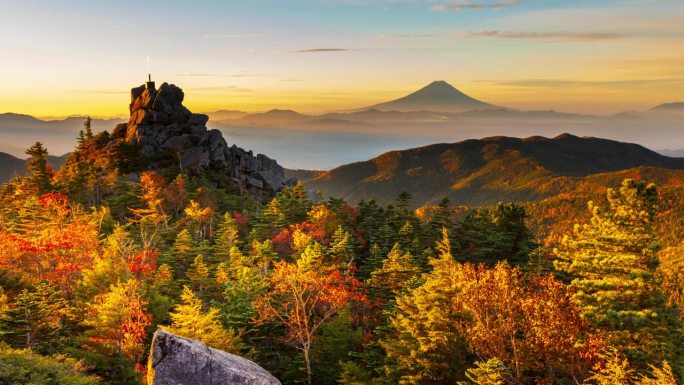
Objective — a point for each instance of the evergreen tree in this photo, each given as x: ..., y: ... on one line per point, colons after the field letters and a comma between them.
x: 184, y: 250
x: 398, y: 272
x: 227, y: 236
x: 492, y: 372
x: 612, y: 264
x: 38, y: 175
x: 198, y: 276
x: 189, y: 320
x: 493, y: 234
x: 425, y: 346
x: 37, y: 320
x: 341, y: 251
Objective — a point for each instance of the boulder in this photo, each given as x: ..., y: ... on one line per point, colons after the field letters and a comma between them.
x: 176, y: 360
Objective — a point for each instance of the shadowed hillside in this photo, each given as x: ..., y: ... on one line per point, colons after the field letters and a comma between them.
x: 481, y: 172
x: 11, y: 166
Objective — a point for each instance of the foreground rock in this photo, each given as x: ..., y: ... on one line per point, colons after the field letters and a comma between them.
x: 176, y: 360
x: 160, y: 123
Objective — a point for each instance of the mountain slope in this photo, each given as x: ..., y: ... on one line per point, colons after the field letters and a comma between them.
x: 11, y: 166
x: 437, y: 96
x: 480, y: 172
x: 670, y: 107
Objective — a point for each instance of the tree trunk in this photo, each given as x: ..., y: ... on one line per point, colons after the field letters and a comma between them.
x: 308, y: 365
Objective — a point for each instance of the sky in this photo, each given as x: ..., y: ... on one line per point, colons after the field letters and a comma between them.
x: 76, y: 57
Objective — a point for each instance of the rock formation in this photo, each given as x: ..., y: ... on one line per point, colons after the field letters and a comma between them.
x: 160, y: 122
x: 176, y: 360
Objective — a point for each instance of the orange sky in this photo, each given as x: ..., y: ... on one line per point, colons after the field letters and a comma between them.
x: 314, y: 56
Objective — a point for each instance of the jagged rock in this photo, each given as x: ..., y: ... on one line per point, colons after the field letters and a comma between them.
x: 159, y: 121
x: 176, y: 360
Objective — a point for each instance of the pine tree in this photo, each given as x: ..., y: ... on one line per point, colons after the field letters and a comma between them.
x: 37, y: 319
x: 198, y: 276
x: 398, y: 272
x: 341, y: 250
x: 38, y: 170
x: 184, y: 250
x: 425, y: 346
x: 612, y: 264
x: 189, y: 320
x: 492, y: 372
x: 239, y: 294
x: 227, y: 236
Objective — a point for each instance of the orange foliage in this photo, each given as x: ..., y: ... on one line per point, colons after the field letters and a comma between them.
x: 55, y: 246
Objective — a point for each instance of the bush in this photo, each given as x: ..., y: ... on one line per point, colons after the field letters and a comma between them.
x: 24, y: 367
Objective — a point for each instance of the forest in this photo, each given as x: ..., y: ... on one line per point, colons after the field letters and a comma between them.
x: 96, y: 256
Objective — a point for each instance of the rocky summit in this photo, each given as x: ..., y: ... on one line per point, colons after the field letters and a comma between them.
x: 160, y: 122
x: 176, y: 360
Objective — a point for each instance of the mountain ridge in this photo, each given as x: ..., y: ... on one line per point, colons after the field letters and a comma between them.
x: 484, y: 171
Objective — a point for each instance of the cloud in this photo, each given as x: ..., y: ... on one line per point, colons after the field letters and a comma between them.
x: 564, y: 83
x: 474, y: 5
x: 547, y: 36
x: 407, y: 36
x: 311, y: 50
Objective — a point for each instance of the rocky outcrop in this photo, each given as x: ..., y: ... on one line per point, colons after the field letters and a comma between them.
x: 160, y: 122
x: 176, y: 360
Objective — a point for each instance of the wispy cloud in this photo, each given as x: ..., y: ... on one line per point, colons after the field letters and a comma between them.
x: 407, y: 36
x: 547, y: 36
x: 312, y: 50
x: 468, y: 4
x: 565, y: 83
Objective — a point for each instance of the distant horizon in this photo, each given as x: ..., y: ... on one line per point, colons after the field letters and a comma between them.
x: 74, y: 57
x: 124, y: 115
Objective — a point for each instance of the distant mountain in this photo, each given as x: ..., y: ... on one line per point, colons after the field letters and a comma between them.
x: 672, y: 153
x: 438, y: 96
x: 11, y: 166
x: 226, y: 115
x: 481, y: 172
x: 18, y: 132
x: 670, y: 107
x: 273, y: 116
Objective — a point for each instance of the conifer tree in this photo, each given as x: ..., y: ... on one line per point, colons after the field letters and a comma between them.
x: 612, y: 263
x: 341, y: 250
x: 37, y: 319
x: 492, y: 372
x: 38, y: 170
x: 227, y: 236
x: 198, y: 276
x: 189, y: 320
x: 184, y: 250
x: 398, y: 272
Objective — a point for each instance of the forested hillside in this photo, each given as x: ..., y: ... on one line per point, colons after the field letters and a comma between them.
x: 97, y: 256
x: 485, y: 171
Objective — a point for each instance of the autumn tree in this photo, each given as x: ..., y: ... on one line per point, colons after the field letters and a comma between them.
x: 117, y: 323
x: 303, y: 298
x: 201, y: 218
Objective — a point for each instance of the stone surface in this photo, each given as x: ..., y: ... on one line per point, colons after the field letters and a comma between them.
x: 176, y: 360
x: 160, y: 122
